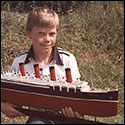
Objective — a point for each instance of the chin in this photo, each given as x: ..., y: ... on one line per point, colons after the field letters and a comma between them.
x: 46, y: 49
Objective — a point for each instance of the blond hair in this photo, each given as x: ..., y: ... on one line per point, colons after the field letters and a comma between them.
x: 42, y: 17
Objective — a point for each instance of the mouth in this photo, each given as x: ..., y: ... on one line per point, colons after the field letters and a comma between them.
x: 46, y: 45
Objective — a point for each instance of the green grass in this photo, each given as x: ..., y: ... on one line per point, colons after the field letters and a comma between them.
x: 95, y: 33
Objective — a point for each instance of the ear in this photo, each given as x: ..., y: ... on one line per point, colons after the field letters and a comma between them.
x: 29, y: 34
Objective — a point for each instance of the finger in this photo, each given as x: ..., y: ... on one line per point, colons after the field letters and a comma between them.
x: 19, y: 113
x: 71, y: 112
x: 64, y: 113
x: 15, y: 112
x: 67, y: 112
x: 77, y: 115
x: 11, y: 115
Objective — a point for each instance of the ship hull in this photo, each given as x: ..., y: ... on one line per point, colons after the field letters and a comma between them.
x: 85, y: 106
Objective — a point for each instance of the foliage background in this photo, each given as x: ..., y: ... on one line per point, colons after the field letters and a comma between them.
x: 89, y: 29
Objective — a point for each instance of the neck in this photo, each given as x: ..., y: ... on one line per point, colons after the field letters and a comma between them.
x: 43, y: 57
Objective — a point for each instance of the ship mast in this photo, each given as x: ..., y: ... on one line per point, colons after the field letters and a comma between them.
x: 89, y: 61
x: 92, y: 70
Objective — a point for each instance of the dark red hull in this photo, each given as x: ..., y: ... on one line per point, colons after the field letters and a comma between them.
x: 92, y: 107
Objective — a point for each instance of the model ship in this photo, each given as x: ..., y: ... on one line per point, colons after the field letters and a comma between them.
x: 50, y: 93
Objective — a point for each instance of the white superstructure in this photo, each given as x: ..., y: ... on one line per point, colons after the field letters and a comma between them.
x: 45, y: 81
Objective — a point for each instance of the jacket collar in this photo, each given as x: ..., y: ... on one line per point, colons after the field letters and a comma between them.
x: 55, y: 56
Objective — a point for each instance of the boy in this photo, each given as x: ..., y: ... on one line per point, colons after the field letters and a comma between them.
x: 42, y: 27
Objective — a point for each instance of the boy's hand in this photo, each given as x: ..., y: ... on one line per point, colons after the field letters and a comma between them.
x: 9, y: 110
x: 68, y: 112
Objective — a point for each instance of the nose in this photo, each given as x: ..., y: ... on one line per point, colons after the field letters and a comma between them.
x: 46, y: 37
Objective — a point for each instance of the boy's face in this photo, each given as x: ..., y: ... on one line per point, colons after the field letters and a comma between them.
x: 43, y: 39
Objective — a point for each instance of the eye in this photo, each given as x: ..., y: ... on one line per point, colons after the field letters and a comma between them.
x: 41, y: 33
x: 52, y: 33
